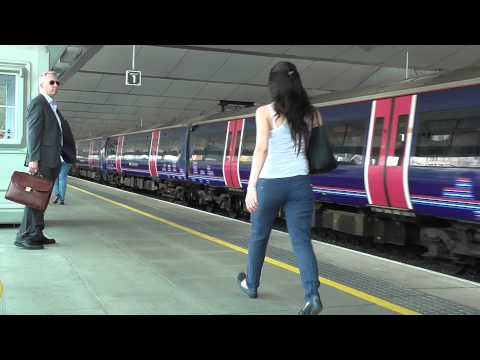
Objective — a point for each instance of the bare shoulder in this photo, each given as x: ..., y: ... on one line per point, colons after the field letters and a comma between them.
x: 263, y: 115
x: 262, y: 111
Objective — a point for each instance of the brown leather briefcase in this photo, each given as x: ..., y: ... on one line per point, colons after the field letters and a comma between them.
x: 30, y: 190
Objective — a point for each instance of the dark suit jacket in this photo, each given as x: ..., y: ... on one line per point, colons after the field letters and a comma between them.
x: 69, y: 149
x: 44, y: 137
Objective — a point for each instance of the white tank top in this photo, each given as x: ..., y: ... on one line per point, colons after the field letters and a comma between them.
x: 282, y: 160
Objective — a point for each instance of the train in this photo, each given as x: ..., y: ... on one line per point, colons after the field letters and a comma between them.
x: 408, y: 163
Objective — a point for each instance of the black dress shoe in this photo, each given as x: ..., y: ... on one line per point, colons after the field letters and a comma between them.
x: 28, y: 244
x: 312, y: 307
x: 44, y: 240
x: 62, y: 202
x: 251, y: 293
x: 56, y: 199
x: 31, y: 239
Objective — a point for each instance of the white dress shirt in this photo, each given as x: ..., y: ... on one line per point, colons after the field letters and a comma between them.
x: 53, y: 105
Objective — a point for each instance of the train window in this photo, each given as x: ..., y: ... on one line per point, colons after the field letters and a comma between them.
x: 377, y: 141
x: 353, y: 143
x: 171, y: 155
x: 346, y: 126
x: 213, y: 152
x: 170, y: 145
x: 347, y: 141
x: 137, y: 145
x: 465, y: 144
x: 448, y: 138
x: 336, y: 135
x: 231, y: 136
x: 466, y: 139
x: 248, y: 141
x: 83, y: 150
x: 111, y: 150
x: 401, y: 138
x: 207, y: 142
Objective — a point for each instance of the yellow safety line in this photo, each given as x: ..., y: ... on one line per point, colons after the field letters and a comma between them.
x: 1, y: 294
x: 356, y: 293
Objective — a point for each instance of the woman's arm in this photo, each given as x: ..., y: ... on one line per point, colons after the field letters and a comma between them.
x: 259, y: 155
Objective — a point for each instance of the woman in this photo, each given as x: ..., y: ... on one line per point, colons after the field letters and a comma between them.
x: 279, y: 179
x: 60, y: 186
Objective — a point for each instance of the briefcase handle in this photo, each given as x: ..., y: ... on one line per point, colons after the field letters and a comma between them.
x: 37, y: 174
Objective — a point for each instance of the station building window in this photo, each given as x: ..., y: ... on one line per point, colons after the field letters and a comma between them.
x: 11, y: 105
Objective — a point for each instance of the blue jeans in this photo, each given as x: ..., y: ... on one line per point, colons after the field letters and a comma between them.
x: 295, y: 196
x: 60, y: 186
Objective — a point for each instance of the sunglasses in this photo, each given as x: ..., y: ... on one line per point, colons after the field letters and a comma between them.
x: 51, y: 82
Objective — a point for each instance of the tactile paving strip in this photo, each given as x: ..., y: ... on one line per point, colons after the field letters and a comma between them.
x: 411, y: 299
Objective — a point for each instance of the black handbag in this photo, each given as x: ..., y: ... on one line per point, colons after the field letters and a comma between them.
x: 319, y: 152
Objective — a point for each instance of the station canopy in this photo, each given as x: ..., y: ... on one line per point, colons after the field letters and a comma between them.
x: 184, y: 82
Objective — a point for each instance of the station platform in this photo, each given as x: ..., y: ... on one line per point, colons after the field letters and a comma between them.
x: 123, y: 253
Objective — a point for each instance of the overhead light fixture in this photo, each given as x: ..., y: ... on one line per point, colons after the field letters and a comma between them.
x: 235, y: 105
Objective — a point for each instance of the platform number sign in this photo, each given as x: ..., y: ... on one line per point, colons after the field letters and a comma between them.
x: 133, y: 77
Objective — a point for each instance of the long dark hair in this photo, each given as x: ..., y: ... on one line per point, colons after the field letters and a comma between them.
x: 291, y: 100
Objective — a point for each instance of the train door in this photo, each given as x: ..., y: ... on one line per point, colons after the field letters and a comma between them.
x: 388, y: 152
x: 118, y: 159
x: 90, y: 155
x: 152, y: 158
x: 232, y: 150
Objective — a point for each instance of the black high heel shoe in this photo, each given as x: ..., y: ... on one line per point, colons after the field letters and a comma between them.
x: 251, y: 293
x: 312, y: 307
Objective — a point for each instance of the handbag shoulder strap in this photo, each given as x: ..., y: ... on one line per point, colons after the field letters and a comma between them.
x: 314, y: 120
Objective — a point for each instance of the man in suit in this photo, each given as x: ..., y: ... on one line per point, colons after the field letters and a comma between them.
x: 45, y: 144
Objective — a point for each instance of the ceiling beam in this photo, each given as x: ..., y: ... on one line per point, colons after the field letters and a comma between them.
x: 263, y: 54
x: 115, y: 105
x: 187, y: 79
x: 139, y: 95
x: 284, y: 56
x: 86, y: 51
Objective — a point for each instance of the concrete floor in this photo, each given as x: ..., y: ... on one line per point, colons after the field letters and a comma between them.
x: 112, y: 261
